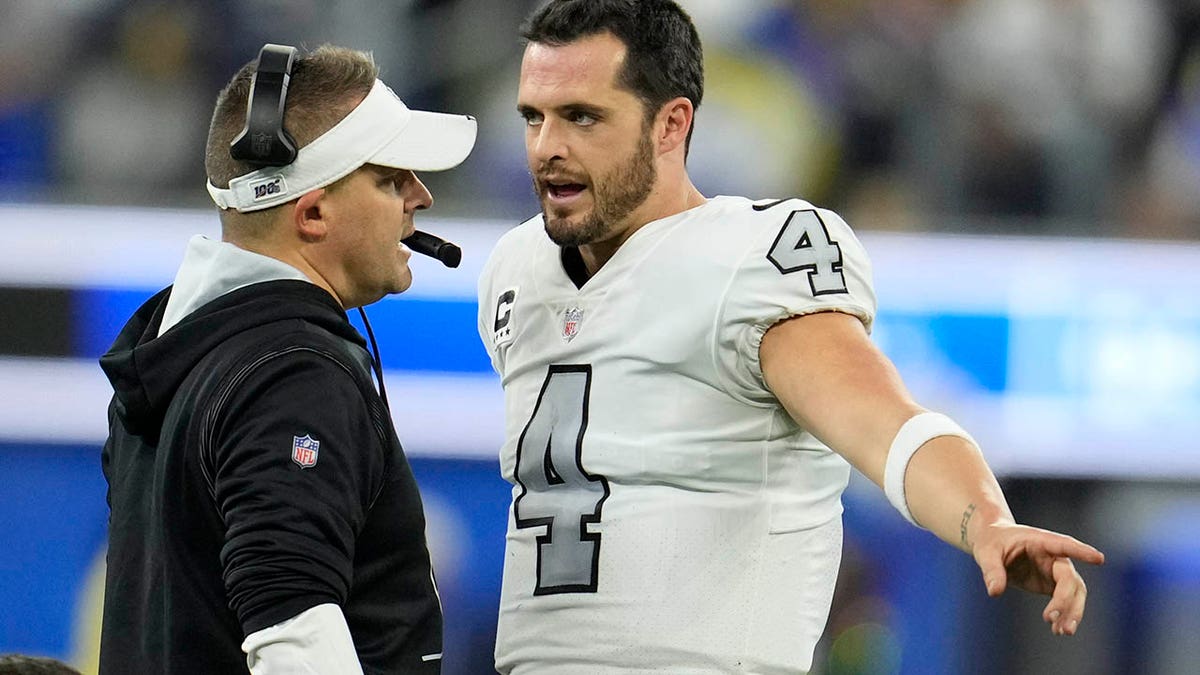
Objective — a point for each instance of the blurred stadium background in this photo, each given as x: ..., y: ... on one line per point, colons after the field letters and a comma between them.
x: 1025, y: 174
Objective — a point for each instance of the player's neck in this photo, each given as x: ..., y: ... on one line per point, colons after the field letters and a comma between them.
x: 660, y: 204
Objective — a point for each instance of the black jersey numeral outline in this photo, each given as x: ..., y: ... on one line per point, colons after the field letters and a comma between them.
x: 804, y: 245
x: 557, y: 492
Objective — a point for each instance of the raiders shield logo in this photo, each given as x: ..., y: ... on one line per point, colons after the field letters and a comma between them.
x: 304, y: 451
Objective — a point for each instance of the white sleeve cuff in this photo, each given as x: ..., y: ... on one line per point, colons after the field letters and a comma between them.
x: 316, y: 641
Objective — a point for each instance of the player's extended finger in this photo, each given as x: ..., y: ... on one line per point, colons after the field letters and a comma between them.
x: 1062, y: 545
x: 1067, y: 602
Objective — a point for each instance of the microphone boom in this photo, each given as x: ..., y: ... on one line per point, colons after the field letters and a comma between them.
x: 434, y: 247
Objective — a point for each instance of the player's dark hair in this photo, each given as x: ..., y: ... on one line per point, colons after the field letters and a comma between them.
x: 663, y: 60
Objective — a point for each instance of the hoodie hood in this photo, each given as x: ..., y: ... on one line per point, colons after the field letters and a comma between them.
x: 146, y: 369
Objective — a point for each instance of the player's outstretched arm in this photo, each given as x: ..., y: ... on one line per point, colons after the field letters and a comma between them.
x: 836, y: 384
x: 1040, y: 561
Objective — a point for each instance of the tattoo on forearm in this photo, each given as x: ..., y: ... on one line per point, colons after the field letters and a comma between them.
x: 962, y: 529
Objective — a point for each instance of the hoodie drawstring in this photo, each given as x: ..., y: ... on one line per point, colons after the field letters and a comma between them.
x: 377, y: 361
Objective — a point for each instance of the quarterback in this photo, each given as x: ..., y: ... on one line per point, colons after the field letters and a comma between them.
x: 688, y: 382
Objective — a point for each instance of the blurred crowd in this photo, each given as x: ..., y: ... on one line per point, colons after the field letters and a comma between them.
x: 1077, y: 117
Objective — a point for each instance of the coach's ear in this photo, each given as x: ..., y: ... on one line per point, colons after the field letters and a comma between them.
x: 310, y: 217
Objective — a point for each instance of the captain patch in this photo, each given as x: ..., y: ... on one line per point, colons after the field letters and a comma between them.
x: 502, y: 330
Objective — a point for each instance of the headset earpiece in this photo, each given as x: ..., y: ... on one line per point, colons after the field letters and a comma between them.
x: 264, y: 141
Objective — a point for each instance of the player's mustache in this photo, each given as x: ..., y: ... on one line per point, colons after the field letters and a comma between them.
x: 551, y: 174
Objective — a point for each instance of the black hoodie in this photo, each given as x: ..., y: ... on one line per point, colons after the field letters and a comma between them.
x: 253, y: 473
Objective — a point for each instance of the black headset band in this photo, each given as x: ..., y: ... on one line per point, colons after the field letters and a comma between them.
x: 264, y: 141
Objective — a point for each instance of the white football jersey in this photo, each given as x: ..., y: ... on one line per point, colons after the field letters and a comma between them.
x: 667, y: 512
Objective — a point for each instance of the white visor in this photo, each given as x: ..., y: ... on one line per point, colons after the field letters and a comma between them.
x: 381, y: 130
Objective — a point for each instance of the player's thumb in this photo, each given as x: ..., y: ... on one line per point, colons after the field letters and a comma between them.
x: 995, y: 577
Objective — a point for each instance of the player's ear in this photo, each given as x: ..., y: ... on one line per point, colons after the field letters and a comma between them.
x: 673, y: 123
x: 310, y: 216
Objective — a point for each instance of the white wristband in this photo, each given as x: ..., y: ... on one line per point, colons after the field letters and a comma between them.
x: 914, y: 433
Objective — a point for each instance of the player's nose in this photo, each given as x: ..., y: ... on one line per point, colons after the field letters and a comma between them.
x: 545, y: 143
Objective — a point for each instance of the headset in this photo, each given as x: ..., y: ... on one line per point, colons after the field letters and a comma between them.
x: 264, y: 141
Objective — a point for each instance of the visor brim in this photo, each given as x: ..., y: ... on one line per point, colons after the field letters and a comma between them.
x: 430, y: 141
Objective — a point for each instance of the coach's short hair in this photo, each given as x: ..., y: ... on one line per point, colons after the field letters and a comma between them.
x: 663, y: 60
x: 326, y: 84
x: 19, y: 664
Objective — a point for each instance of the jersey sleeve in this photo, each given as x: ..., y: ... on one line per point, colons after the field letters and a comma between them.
x: 296, y: 462
x: 799, y: 260
x: 497, y: 291
x: 487, y: 309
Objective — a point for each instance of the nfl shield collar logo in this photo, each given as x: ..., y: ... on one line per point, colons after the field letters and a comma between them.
x: 304, y: 451
x: 572, y: 318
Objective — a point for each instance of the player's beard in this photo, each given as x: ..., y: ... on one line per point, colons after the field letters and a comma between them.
x: 614, y: 196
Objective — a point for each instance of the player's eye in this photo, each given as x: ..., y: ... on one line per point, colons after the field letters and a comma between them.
x: 582, y: 119
x: 531, y: 118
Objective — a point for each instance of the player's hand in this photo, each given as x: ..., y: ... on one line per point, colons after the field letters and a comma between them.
x: 1038, y: 561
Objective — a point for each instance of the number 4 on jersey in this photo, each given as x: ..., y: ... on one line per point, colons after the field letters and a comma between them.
x: 556, y: 492
x: 804, y: 245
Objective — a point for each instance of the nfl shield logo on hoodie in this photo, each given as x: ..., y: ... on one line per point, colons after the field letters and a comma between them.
x: 304, y: 450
